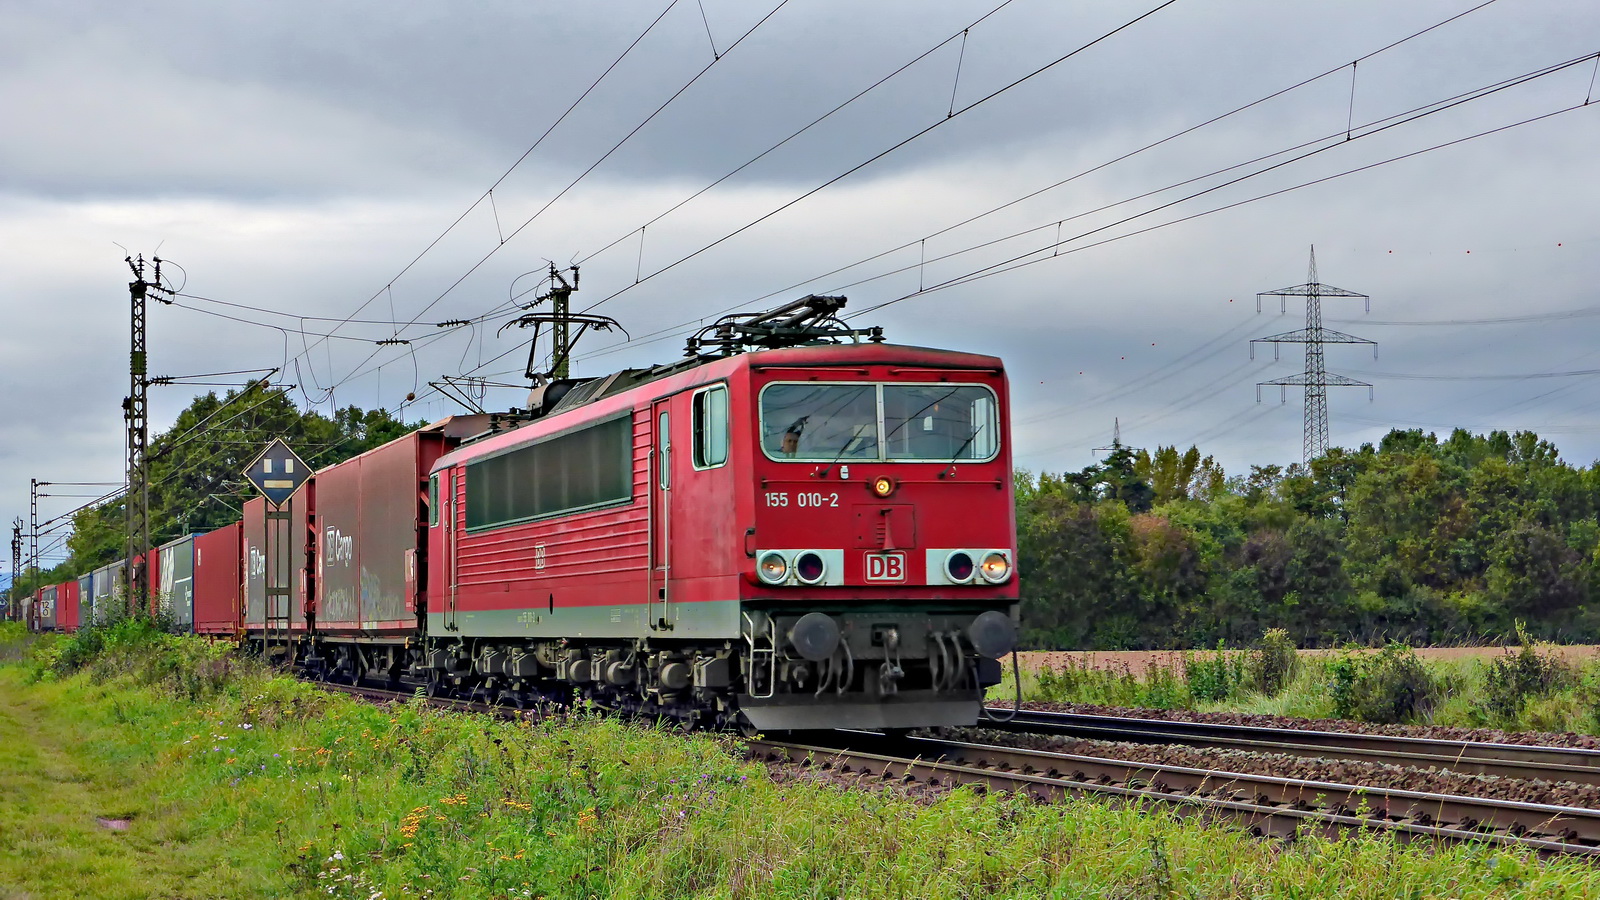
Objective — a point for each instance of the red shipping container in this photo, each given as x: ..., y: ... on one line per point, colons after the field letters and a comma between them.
x: 218, y: 580
x: 67, y: 607
x: 370, y: 520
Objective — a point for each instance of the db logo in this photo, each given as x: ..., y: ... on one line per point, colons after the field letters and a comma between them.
x: 886, y: 567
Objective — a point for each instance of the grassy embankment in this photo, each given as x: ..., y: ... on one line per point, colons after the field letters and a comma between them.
x: 237, y: 784
x: 1526, y: 688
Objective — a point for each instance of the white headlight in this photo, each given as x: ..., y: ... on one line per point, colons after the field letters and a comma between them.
x: 772, y: 567
x: 996, y: 568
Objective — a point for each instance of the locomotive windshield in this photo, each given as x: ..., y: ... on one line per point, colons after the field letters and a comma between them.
x: 814, y: 422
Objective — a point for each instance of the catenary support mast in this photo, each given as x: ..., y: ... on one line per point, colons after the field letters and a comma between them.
x: 14, y: 608
x: 135, y: 408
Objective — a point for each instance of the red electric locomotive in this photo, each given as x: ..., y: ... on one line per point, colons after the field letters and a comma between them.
x: 803, y: 528
x: 809, y: 536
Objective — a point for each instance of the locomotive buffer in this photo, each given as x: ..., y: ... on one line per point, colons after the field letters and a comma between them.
x: 277, y: 473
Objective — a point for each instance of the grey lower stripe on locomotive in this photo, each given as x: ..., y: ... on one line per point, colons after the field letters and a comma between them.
x: 709, y: 620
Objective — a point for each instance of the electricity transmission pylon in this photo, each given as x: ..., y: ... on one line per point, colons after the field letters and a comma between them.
x: 1315, y: 378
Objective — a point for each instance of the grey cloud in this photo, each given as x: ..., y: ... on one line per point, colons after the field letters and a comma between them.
x: 297, y: 156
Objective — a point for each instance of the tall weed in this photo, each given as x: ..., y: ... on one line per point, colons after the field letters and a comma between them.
x: 1214, y: 678
x: 1273, y: 662
x: 1077, y: 682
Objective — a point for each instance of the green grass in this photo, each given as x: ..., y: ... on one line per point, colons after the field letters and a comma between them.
x: 1521, y: 689
x: 262, y: 787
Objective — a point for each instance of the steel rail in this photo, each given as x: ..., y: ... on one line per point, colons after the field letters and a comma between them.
x: 1267, y: 805
x: 1472, y: 757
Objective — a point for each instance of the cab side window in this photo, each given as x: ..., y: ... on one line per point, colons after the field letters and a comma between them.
x: 711, y: 427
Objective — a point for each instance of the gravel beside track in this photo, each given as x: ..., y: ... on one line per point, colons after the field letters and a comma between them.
x: 1336, y: 770
x: 1267, y: 805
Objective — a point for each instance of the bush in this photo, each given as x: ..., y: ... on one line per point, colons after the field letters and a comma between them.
x: 1273, y: 663
x: 15, y: 641
x: 140, y: 648
x: 1516, y: 677
x: 1388, y: 687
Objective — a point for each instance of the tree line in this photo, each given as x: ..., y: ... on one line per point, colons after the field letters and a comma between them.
x: 1417, y: 539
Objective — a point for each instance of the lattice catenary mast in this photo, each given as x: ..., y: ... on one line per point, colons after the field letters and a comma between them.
x: 13, y: 604
x: 1315, y: 378
x: 135, y: 408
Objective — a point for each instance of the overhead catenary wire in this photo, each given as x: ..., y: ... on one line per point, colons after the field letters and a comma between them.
x: 1024, y: 260
x: 885, y: 152
x: 881, y: 154
x: 653, y: 337
x: 305, y: 318
x: 174, y: 443
x: 649, y: 338
x: 1132, y: 153
x: 903, y: 67
x: 1375, y: 127
x: 498, y: 181
x: 1036, y: 256
x: 596, y: 164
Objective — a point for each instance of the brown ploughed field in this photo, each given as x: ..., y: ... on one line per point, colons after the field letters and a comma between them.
x: 1139, y: 660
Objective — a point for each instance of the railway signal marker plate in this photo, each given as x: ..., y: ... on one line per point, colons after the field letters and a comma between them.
x: 277, y: 473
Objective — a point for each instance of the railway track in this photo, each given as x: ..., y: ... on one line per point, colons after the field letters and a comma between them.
x: 1266, y: 805
x: 1470, y: 757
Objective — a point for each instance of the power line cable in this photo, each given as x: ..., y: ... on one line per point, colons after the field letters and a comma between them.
x: 486, y: 194
x: 881, y: 154
x: 802, y: 130
x: 1561, y: 315
x: 1217, y: 345
x: 618, y: 145
x: 653, y: 337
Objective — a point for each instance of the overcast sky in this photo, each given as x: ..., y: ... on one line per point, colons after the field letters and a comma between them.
x: 297, y: 159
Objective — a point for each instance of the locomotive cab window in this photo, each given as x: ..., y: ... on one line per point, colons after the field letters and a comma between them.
x: 820, y: 422
x: 813, y: 422
x: 711, y: 427
x: 433, y: 500
x: 567, y: 473
x: 939, y: 421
